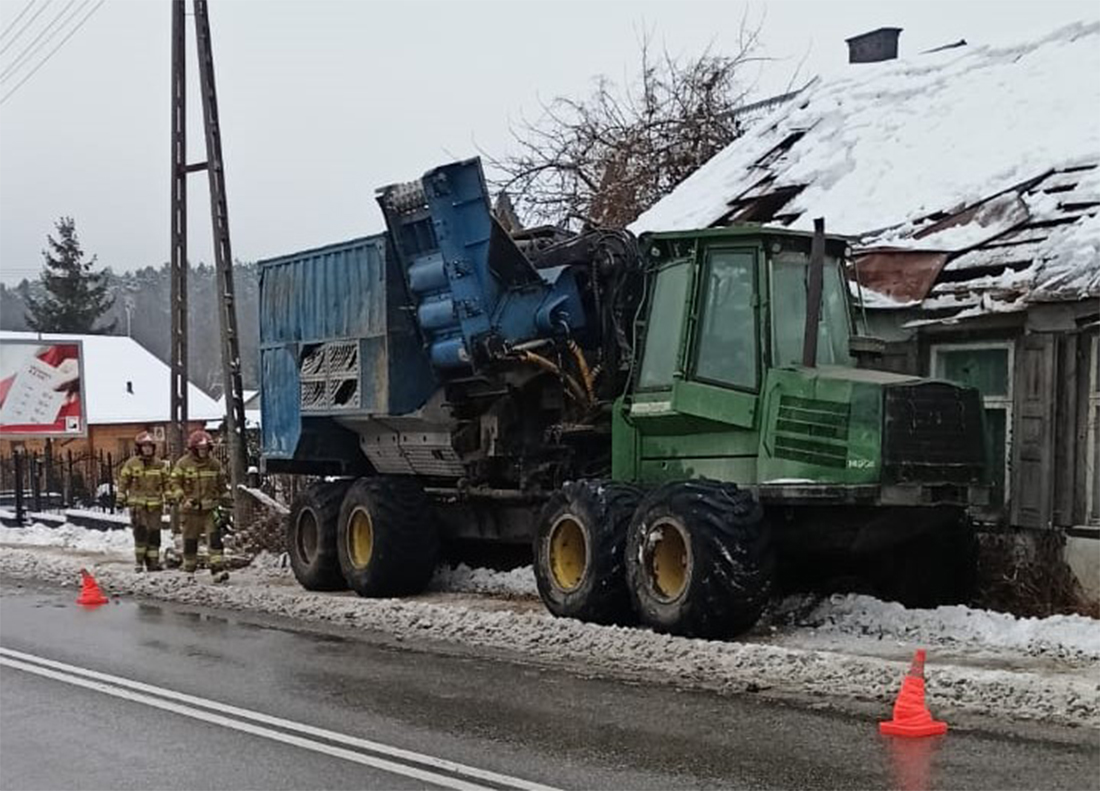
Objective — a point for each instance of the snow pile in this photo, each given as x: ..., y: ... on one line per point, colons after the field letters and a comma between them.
x: 1062, y: 636
x: 69, y: 537
x: 829, y: 678
x: 463, y: 579
x: 121, y: 518
x: 891, y: 142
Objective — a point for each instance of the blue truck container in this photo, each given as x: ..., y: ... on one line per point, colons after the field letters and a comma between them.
x: 335, y: 341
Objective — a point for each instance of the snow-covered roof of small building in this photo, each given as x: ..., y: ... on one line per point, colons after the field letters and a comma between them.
x: 987, y: 154
x: 124, y: 381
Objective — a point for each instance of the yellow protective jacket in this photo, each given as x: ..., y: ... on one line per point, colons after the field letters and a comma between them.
x: 143, y: 483
x: 199, y: 482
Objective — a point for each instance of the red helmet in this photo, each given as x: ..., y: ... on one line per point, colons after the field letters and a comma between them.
x: 199, y: 439
x: 144, y: 438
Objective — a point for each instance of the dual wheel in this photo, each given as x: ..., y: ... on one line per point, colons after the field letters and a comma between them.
x: 692, y: 558
x: 374, y: 535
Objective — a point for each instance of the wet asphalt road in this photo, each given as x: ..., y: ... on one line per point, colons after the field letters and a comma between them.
x: 533, y: 724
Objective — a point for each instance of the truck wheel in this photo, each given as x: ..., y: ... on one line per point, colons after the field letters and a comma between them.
x: 311, y: 536
x: 386, y: 538
x: 699, y: 559
x: 578, y: 551
x: 937, y: 567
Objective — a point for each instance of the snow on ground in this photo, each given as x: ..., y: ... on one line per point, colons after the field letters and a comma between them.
x: 837, y: 650
x: 69, y: 537
x: 1060, y: 636
x: 463, y: 579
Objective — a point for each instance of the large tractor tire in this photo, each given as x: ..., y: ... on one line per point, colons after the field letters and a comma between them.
x: 311, y: 536
x: 579, y: 551
x: 937, y: 567
x: 386, y: 538
x: 699, y: 559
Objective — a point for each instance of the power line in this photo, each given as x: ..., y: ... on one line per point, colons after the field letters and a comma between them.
x: 30, y: 21
x: 60, y: 44
x: 52, y: 28
x: 15, y: 21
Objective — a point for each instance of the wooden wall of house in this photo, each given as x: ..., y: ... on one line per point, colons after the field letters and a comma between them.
x: 114, y: 438
x: 1053, y: 431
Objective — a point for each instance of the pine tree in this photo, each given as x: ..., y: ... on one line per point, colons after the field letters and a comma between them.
x: 76, y: 297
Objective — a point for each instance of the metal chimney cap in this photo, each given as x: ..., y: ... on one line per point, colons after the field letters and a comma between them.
x: 874, y: 46
x: 882, y: 31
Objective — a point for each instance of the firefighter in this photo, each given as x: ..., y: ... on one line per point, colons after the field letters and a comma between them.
x: 143, y: 485
x: 199, y: 487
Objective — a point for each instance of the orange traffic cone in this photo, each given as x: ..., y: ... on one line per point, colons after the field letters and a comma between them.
x: 90, y: 594
x: 911, y: 717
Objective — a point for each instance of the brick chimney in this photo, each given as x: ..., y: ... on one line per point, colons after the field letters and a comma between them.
x: 878, y: 45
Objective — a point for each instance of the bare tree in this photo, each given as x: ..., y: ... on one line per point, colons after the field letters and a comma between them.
x: 603, y: 160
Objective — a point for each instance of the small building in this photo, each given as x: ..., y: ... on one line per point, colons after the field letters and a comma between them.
x: 127, y: 389
x: 968, y: 180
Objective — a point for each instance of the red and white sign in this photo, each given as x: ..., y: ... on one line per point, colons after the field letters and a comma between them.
x: 41, y: 389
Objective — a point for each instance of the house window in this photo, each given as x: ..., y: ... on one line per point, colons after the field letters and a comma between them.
x: 987, y: 367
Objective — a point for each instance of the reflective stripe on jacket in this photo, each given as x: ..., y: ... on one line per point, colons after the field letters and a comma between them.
x: 144, y: 482
x: 200, y: 480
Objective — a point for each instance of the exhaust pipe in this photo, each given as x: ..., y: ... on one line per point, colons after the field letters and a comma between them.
x: 813, y: 294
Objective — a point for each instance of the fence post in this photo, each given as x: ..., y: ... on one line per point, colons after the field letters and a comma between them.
x: 17, y: 463
x: 50, y: 482
x: 111, y: 482
x: 69, y: 486
x: 36, y: 484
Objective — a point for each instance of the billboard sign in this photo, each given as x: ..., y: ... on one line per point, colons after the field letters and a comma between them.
x: 41, y: 389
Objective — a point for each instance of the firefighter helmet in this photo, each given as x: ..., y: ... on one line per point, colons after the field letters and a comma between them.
x: 199, y: 439
x: 144, y: 438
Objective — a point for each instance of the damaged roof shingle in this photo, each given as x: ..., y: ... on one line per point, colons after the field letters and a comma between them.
x: 980, y: 163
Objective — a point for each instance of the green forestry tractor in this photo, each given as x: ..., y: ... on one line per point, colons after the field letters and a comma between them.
x: 673, y: 423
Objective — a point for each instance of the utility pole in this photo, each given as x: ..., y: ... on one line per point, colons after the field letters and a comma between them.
x: 223, y: 260
x: 219, y: 213
x: 178, y: 297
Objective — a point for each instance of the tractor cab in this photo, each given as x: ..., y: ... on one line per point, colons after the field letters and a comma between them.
x: 730, y: 386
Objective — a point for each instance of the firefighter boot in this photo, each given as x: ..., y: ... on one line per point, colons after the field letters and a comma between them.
x: 140, y: 547
x: 152, y: 551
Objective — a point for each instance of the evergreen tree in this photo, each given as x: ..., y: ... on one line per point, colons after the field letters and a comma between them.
x: 76, y: 297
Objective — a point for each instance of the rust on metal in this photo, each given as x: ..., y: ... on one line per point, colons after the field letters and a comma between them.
x: 902, y: 275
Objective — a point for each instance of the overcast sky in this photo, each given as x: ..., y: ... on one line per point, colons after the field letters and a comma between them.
x: 323, y: 101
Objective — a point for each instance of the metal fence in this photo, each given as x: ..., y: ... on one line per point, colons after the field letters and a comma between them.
x: 44, y: 480
x: 41, y: 480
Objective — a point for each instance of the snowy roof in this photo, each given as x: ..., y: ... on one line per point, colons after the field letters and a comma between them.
x: 113, y: 366
x: 946, y: 152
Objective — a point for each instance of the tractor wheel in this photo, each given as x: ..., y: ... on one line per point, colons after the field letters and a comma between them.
x: 699, y: 559
x: 578, y: 551
x: 311, y: 536
x: 936, y: 567
x: 386, y: 538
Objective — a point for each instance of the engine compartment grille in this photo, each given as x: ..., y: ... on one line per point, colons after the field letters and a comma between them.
x: 933, y: 433
x: 812, y: 431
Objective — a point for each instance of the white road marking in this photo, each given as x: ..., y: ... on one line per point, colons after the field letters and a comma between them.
x: 160, y: 697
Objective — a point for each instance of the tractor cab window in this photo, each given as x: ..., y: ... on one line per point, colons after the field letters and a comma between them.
x: 790, y: 283
x: 662, y: 333
x: 727, y: 353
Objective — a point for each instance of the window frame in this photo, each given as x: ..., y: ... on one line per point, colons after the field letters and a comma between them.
x: 833, y: 267
x: 643, y: 338
x: 1003, y: 402
x: 702, y: 292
